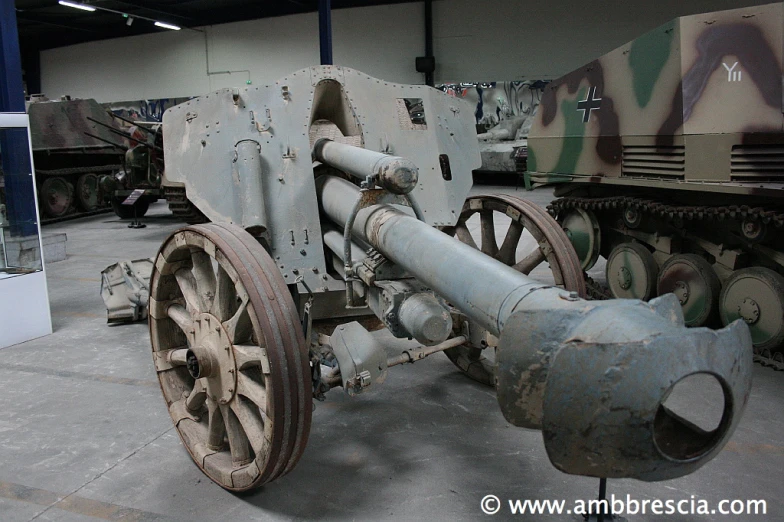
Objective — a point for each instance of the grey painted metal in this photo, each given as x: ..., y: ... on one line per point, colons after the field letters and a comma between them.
x: 397, y: 175
x: 250, y: 172
x: 426, y: 319
x: 200, y: 137
x: 361, y: 357
x: 452, y: 274
x: 591, y: 374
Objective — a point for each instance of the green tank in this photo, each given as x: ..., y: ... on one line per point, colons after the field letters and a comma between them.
x: 668, y: 159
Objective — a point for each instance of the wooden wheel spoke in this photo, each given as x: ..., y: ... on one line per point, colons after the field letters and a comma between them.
x: 251, y: 423
x: 462, y: 233
x: 238, y: 441
x: 204, y: 278
x: 506, y: 254
x: 197, y: 397
x: 530, y: 261
x: 216, y: 428
x: 487, y: 228
x: 225, y: 295
x: 248, y: 355
x: 252, y: 391
x: 239, y: 327
x: 181, y: 317
x: 187, y: 284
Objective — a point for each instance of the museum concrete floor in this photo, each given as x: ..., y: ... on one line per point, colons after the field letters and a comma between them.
x: 85, y: 435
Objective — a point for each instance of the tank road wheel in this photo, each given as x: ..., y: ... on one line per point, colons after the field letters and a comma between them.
x: 631, y: 272
x: 87, y: 192
x: 552, y: 246
x: 230, y: 355
x: 692, y: 279
x: 582, y: 229
x: 756, y: 295
x: 56, y: 197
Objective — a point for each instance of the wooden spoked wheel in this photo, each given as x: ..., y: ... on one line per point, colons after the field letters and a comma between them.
x: 230, y: 355
x: 550, y: 245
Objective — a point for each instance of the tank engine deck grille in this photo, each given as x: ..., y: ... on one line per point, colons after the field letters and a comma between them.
x: 757, y: 162
x: 654, y: 162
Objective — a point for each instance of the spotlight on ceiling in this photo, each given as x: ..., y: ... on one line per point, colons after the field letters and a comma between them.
x: 168, y: 26
x: 77, y: 6
x: 129, y: 21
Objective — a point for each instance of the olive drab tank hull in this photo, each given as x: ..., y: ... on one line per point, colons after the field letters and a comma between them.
x: 668, y: 159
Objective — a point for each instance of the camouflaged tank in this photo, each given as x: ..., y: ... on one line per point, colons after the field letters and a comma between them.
x: 72, y: 149
x: 668, y: 155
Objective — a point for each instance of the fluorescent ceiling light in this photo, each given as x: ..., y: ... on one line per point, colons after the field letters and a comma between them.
x: 167, y: 26
x: 77, y: 6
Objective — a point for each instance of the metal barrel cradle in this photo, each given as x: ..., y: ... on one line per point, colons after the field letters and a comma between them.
x: 339, y: 205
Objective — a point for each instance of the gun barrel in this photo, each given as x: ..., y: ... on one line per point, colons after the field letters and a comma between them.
x: 397, y: 175
x: 592, y: 375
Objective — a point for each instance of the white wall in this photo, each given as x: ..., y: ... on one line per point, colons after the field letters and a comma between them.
x: 475, y: 40
x: 382, y: 41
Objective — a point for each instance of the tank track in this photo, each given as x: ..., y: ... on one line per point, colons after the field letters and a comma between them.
x: 182, y: 207
x: 669, y: 211
x: 598, y: 291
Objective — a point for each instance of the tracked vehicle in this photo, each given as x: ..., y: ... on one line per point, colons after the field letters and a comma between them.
x: 71, y: 154
x: 668, y: 159
x: 337, y: 205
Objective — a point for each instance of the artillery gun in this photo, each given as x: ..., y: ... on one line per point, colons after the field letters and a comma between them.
x: 338, y: 205
x: 668, y: 159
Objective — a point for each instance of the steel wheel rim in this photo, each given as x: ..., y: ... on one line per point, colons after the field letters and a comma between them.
x: 582, y: 230
x: 245, y: 419
x: 87, y: 191
x: 554, y: 248
x: 631, y: 272
x: 756, y: 292
x: 56, y: 196
x: 692, y: 279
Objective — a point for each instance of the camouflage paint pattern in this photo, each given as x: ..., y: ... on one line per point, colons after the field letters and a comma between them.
x: 670, y: 106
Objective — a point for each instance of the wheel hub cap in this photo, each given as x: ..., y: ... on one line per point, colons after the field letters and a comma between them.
x: 212, y: 358
x: 749, y: 310
x: 681, y: 292
x: 624, y: 278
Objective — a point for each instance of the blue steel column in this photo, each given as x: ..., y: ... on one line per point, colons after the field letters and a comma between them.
x: 325, y: 31
x: 20, y: 198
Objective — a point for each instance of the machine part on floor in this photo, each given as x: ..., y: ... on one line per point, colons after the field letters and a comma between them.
x: 88, y: 193
x: 582, y: 229
x: 692, y: 279
x: 674, y: 140
x: 125, y: 289
x: 552, y: 247
x: 756, y: 295
x: 227, y: 298
x: 56, y: 197
x: 632, y: 272
x: 72, y: 139
x: 230, y: 354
